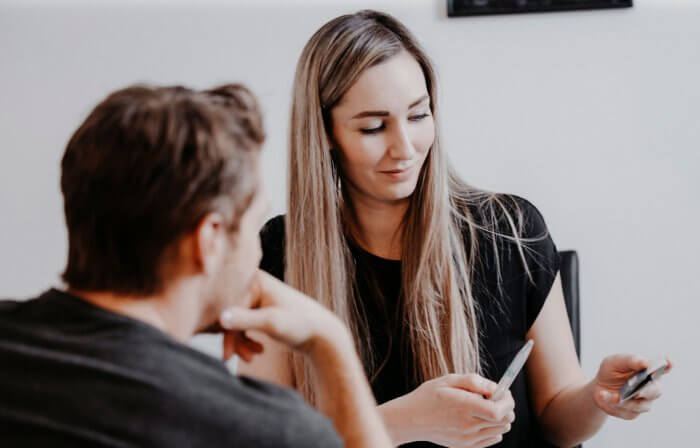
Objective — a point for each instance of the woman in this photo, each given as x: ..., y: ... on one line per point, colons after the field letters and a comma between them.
x: 440, y: 283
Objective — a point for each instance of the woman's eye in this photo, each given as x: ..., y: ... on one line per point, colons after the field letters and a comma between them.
x: 369, y: 131
x: 418, y: 117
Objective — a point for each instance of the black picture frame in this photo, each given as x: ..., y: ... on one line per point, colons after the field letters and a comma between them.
x: 461, y: 8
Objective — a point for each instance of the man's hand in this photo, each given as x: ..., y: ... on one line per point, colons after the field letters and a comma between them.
x: 282, y: 313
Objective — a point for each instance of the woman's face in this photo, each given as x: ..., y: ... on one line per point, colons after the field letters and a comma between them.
x: 383, y: 129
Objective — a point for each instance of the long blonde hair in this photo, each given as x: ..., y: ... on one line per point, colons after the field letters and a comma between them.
x: 437, y: 269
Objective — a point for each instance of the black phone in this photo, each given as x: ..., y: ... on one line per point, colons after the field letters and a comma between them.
x: 634, y: 386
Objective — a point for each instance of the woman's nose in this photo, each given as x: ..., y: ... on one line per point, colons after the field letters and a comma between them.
x: 401, y: 146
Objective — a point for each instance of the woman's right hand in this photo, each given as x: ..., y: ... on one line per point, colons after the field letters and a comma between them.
x: 450, y: 410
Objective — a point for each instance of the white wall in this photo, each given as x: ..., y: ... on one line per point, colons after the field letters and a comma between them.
x: 594, y: 116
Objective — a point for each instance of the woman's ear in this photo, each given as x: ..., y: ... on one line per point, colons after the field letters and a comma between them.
x: 210, y: 243
x: 328, y: 128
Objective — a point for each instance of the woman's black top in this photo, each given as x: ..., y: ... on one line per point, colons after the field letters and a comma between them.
x: 505, y: 313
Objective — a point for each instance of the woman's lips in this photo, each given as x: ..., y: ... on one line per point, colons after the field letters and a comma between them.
x: 398, y: 174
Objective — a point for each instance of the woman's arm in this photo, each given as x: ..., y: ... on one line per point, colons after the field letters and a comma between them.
x: 570, y: 408
x: 562, y: 398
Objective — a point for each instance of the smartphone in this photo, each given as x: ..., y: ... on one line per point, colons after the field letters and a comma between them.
x: 512, y: 371
x: 634, y: 386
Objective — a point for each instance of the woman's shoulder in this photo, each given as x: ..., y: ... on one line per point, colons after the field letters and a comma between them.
x: 273, y: 230
x: 517, y: 260
x: 508, y: 215
x: 272, y: 242
x: 534, y: 225
x: 512, y: 239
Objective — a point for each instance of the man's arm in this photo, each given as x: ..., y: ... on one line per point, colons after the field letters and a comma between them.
x: 302, y: 324
x: 344, y: 394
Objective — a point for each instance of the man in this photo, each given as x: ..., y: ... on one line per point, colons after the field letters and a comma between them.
x: 163, y: 205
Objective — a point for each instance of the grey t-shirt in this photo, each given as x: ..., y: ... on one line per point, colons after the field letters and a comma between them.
x: 73, y: 374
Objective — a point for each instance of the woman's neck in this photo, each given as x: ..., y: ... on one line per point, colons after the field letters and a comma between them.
x: 377, y: 226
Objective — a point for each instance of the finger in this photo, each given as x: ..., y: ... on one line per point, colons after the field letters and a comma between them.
x: 249, y: 344
x: 266, y: 290
x: 623, y: 414
x: 618, y: 410
x: 493, y: 412
x: 243, y: 319
x: 270, y: 289
x: 246, y: 347
x: 255, y: 291
x: 477, y: 412
x: 488, y: 442
x: 650, y: 392
x: 637, y: 363
x: 229, y: 346
x: 623, y: 363
x: 482, y: 435
x: 505, y: 406
x: 244, y: 354
x: 470, y: 382
x: 635, y: 406
x: 492, y: 431
x: 610, y: 397
x: 509, y: 401
x: 274, y: 292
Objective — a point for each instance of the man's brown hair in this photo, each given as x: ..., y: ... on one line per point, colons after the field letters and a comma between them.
x: 143, y: 169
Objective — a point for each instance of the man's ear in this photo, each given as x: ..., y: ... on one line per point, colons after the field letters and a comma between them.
x: 210, y: 243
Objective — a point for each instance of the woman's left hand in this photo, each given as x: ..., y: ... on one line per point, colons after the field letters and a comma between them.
x: 613, y: 374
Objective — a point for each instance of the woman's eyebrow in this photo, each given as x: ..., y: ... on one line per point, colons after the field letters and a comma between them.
x: 418, y: 101
x: 383, y: 113
x: 371, y: 113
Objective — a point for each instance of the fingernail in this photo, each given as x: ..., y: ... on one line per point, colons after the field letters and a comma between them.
x: 605, y: 395
x: 226, y: 318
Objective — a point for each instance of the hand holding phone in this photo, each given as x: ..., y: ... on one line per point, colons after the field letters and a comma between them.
x: 638, y: 382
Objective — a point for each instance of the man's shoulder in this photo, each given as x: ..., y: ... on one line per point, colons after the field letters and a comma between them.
x: 249, y: 412
x: 23, y: 313
x: 9, y: 305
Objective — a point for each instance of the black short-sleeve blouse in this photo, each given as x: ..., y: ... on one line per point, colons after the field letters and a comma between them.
x: 506, y: 311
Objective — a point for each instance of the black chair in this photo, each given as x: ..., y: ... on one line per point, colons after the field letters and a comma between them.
x: 569, y: 282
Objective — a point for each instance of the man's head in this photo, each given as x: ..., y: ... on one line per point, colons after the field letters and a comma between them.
x: 161, y: 182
